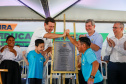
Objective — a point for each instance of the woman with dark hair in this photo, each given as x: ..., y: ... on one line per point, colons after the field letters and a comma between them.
x: 10, y: 55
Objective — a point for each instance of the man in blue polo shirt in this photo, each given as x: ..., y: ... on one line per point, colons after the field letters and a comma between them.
x: 89, y: 63
x: 95, y: 38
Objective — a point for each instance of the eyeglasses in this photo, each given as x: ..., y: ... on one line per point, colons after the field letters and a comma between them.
x: 116, y: 27
x: 89, y: 26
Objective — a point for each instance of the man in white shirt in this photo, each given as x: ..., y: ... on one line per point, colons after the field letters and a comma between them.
x: 115, y: 48
x: 45, y: 34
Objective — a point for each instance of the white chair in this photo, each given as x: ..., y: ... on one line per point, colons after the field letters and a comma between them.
x: 70, y: 76
x: 104, y: 76
x: 58, y: 76
x: 23, y: 64
x: 54, y: 75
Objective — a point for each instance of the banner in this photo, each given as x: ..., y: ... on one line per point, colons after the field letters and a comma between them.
x: 23, y: 30
x: 23, y: 38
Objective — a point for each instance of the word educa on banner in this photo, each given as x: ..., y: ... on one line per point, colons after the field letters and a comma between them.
x: 23, y: 38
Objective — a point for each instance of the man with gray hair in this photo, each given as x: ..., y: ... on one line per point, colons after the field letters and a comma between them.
x: 96, y: 38
x: 115, y: 48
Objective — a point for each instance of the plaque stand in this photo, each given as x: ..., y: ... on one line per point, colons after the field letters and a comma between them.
x: 63, y: 73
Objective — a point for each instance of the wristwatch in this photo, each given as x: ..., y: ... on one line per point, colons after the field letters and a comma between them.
x: 92, y: 77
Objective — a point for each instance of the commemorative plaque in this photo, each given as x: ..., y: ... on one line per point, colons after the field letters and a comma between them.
x: 64, y: 56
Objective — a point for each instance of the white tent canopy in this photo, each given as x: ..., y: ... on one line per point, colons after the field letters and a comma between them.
x: 100, y: 10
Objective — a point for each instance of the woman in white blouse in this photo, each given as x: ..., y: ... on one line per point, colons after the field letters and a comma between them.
x: 10, y: 55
